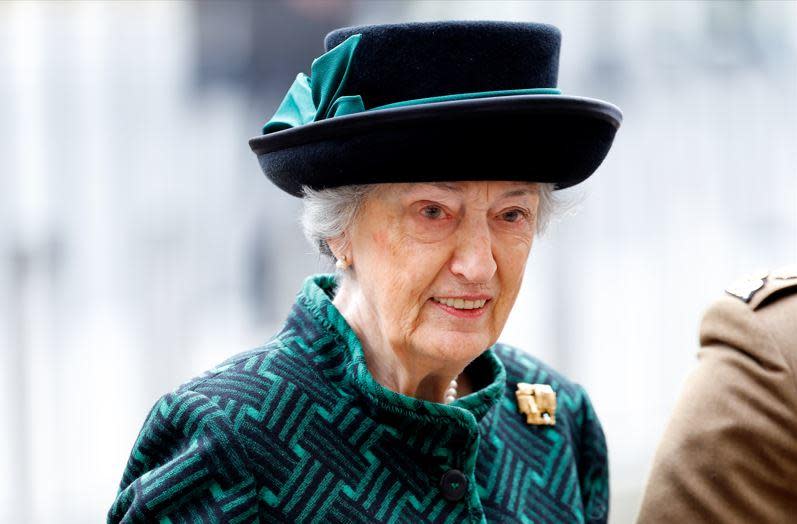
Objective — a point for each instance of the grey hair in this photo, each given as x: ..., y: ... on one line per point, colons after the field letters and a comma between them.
x: 327, y: 213
x: 549, y: 206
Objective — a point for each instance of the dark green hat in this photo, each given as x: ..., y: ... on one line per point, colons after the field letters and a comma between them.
x: 435, y: 101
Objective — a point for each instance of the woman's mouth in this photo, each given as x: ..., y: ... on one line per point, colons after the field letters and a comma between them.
x: 461, y: 308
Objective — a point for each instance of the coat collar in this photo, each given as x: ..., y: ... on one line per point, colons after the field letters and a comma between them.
x: 339, y: 356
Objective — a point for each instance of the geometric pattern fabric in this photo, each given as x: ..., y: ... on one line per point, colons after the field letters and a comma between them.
x: 298, y: 430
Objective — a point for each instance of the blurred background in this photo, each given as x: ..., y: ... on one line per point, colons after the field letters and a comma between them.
x: 140, y: 244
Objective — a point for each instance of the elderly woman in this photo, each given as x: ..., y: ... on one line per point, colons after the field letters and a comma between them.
x: 426, y: 155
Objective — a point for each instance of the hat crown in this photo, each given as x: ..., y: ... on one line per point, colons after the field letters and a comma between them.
x: 397, y: 62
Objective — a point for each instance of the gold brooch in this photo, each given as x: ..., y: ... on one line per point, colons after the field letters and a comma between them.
x: 538, y: 402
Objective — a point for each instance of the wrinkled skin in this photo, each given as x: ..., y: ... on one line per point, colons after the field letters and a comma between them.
x: 412, y: 242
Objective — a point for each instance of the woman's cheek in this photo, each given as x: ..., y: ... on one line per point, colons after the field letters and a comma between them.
x: 379, y: 237
x: 517, y: 248
x: 512, y: 255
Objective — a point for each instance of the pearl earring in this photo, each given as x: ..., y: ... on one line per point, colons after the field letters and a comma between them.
x: 342, y: 263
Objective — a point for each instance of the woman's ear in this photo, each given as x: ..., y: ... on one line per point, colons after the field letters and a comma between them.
x: 341, y: 250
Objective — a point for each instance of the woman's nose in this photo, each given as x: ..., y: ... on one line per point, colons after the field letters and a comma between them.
x: 473, y: 259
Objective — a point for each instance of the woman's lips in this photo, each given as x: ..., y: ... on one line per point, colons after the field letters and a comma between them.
x: 462, y: 313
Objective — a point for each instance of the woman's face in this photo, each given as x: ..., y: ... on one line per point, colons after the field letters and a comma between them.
x: 439, y: 265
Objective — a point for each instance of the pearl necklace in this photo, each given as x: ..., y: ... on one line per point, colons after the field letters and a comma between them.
x: 451, y: 393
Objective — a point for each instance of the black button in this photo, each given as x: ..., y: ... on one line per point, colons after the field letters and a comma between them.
x: 453, y: 484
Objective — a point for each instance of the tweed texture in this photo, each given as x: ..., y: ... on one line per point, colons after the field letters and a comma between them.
x: 299, y: 431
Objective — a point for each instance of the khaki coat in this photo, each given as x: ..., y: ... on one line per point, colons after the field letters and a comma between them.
x: 729, y: 452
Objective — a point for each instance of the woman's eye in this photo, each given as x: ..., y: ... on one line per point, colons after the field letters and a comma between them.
x: 432, y: 212
x: 515, y: 215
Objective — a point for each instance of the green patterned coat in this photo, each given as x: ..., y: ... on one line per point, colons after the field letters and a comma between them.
x: 299, y: 431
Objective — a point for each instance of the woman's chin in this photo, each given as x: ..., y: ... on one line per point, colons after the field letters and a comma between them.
x: 455, y: 345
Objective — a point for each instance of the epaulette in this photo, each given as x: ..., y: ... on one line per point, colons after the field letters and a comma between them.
x: 757, y: 287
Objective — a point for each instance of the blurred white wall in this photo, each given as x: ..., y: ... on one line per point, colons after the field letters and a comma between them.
x: 140, y: 244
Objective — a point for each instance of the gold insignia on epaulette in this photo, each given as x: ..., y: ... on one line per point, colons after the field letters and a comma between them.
x: 537, y: 402
x: 785, y: 273
x: 746, y: 287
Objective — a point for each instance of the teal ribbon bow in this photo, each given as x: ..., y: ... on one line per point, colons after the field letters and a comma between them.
x: 319, y: 96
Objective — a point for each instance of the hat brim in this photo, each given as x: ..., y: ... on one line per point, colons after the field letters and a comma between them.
x: 539, y: 138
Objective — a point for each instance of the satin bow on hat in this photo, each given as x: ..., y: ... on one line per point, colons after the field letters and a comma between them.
x: 311, y: 100
x: 319, y: 96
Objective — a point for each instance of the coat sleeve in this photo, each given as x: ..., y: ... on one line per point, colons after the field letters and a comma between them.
x: 727, y: 454
x: 593, y: 464
x: 186, y: 466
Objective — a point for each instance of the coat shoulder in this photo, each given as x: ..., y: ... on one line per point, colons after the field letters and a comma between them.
x: 761, y: 288
x: 186, y: 464
x: 736, y: 409
x: 249, y: 373
x: 192, y: 457
x: 755, y: 318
